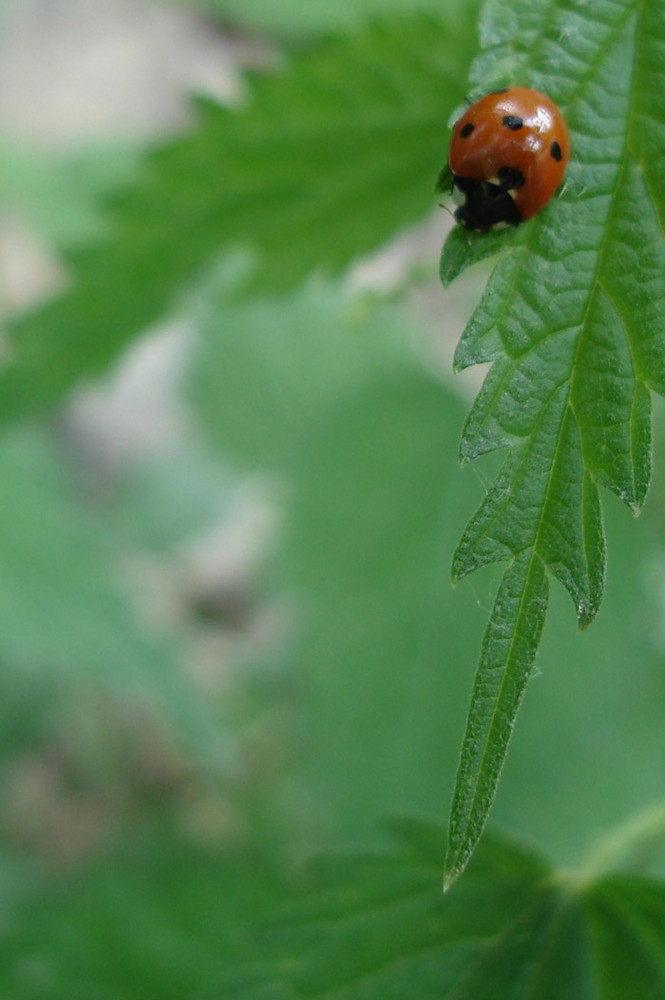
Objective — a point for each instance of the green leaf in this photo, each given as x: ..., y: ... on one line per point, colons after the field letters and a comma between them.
x: 334, y: 402
x: 59, y: 196
x: 172, y: 499
x: 69, y: 621
x: 299, y: 17
x: 627, y: 917
x: 572, y: 323
x: 323, y: 163
x: 325, y: 395
x: 506, y: 660
x: 374, y: 927
x: 159, y: 915
x: 270, y: 372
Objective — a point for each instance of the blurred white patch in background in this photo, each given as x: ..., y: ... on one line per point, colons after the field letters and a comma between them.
x: 79, y: 70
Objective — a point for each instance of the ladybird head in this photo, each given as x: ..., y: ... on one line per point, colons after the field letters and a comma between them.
x: 483, y: 205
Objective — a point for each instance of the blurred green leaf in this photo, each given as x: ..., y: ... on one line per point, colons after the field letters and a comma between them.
x: 301, y: 17
x: 269, y: 372
x: 626, y: 918
x: 166, y: 501
x: 162, y: 916
x: 358, y: 433
x: 378, y: 927
x: 167, y: 917
x: 60, y: 196
x: 333, y: 399
x: 325, y: 161
x: 572, y: 321
x: 68, y: 620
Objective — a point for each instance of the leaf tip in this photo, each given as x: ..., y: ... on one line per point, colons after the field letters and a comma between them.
x: 464, y: 453
x: 449, y: 879
x: 587, y: 611
x: 460, y: 362
x: 453, y: 867
x: 457, y: 568
x: 443, y: 180
x: 585, y: 617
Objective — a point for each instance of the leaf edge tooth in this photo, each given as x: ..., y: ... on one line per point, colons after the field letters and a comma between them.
x: 457, y: 858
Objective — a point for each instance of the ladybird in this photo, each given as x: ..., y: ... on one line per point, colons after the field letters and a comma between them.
x: 508, y: 155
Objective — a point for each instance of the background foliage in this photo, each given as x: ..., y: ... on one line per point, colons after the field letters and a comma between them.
x: 225, y: 653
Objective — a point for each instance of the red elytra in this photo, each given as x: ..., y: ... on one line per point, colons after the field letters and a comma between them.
x: 508, y: 155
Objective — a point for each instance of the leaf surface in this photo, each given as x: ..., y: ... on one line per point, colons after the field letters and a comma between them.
x: 334, y: 401
x: 157, y: 915
x: 571, y: 322
x: 376, y: 927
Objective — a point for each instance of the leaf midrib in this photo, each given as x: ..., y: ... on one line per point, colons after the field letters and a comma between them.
x: 595, y: 285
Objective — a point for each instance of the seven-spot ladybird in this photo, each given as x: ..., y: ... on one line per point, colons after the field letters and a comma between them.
x: 508, y: 155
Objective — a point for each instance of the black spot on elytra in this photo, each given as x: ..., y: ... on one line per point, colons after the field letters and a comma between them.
x: 510, y: 178
x: 555, y: 151
x: 467, y: 130
x: 513, y: 122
